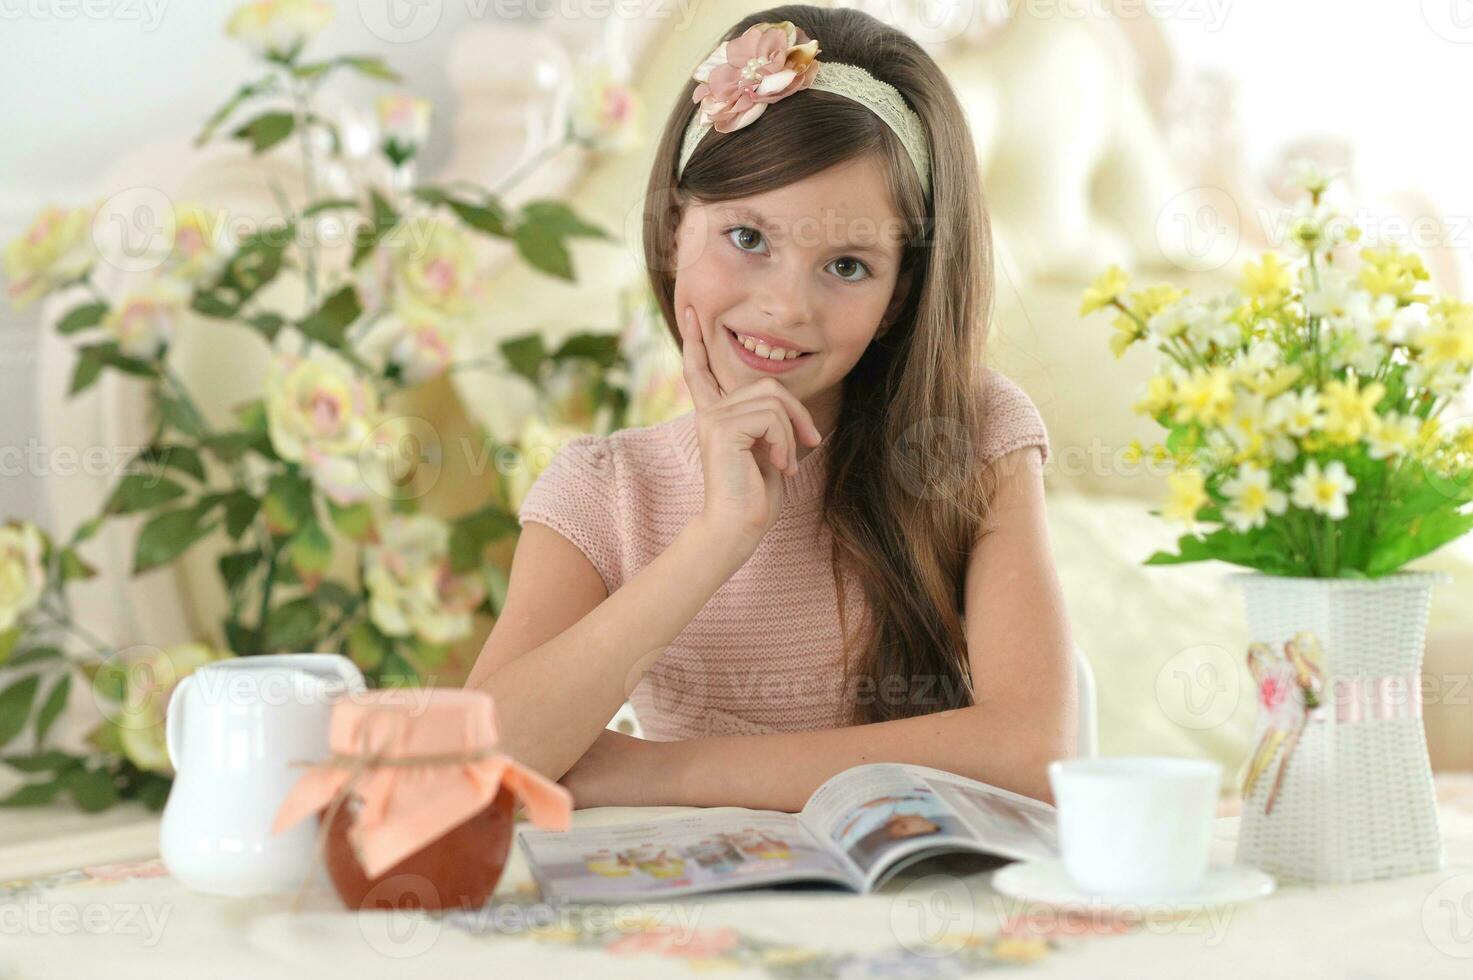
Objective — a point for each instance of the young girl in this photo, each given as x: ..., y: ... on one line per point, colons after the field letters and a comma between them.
x: 777, y: 579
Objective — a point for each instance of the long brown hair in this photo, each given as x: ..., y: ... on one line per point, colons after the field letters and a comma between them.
x: 904, y: 520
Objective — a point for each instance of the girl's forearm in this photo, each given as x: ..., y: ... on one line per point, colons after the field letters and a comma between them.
x: 780, y: 771
x: 553, y: 701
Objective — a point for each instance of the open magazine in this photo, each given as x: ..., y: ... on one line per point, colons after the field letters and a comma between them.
x: 857, y: 830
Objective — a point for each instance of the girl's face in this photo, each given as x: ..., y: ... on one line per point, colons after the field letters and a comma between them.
x: 813, y: 266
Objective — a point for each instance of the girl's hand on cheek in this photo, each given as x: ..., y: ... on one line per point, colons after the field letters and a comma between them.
x: 748, y: 442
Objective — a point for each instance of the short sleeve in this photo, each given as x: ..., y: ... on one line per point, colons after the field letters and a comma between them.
x: 576, y: 497
x: 1010, y: 419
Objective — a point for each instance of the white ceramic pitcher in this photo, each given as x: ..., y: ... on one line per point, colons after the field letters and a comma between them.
x: 233, y: 727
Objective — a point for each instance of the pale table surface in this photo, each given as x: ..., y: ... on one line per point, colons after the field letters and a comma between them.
x: 116, y: 913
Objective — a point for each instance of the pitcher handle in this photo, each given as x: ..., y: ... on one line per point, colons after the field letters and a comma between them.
x: 341, y: 666
x: 173, y: 723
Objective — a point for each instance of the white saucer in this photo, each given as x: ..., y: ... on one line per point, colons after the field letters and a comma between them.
x: 1047, y: 882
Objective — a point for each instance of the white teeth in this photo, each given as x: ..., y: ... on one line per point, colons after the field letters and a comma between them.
x: 761, y: 349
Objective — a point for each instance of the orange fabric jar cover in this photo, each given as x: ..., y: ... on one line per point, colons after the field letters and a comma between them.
x: 407, y: 806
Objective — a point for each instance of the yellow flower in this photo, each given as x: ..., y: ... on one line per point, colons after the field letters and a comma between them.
x: 1251, y: 498
x: 1445, y: 340
x: 1206, y: 396
x: 1350, y: 411
x: 1104, y: 290
x: 1266, y: 283
x: 1134, y: 452
x: 1186, y: 493
x: 1323, y: 491
x: 1391, y: 271
x: 1153, y: 299
x: 1393, y: 435
x: 1127, y: 332
x: 1278, y: 380
x: 434, y: 263
x: 1160, y: 392
x: 55, y: 249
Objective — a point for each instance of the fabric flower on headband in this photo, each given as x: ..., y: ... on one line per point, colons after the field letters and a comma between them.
x: 743, y: 76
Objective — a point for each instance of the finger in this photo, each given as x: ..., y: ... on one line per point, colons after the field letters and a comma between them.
x: 794, y: 406
x: 788, y: 460
x: 704, y: 389
x: 766, y: 424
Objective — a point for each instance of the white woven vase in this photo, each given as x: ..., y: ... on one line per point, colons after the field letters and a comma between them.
x: 1356, y: 801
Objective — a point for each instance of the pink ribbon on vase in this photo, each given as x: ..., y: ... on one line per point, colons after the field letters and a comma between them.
x: 1361, y: 697
x: 1290, y: 688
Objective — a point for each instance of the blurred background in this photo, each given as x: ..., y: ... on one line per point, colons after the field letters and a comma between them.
x: 1153, y: 135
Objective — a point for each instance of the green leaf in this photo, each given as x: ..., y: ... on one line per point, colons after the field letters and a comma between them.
x: 33, y: 794
x: 176, y: 414
x: 235, y: 568
x: 15, y: 706
x: 367, y: 647
x: 384, y: 220
x: 1422, y: 535
x: 469, y: 535
x: 55, y: 702
x: 228, y: 447
x: 397, y: 672
x: 266, y: 130
x: 82, y: 317
x: 169, y: 535
x: 8, y: 639
x: 600, y: 347
x: 242, y: 94
x: 143, y: 491
x: 209, y: 305
x: 35, y: 655
x: 242, y: 641
x: 268, y: 324
x: 370, y: 67
x: 240, y: 511
x: 560, y: 220
x: 525, y: 355
x: 329, y: 322
x: 543, y: 249
x: 93, y: 789
x: 293, y: 625
x: 88, y: 369
x: 330, y: 204
x: 288, y: 503
x: 309, y: 551
x: 48, y: 760
x: 355, y: 521
x: 73, y: 568
x: 184, y: 459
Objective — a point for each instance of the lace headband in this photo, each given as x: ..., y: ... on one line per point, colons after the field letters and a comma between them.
x: 769, y: 62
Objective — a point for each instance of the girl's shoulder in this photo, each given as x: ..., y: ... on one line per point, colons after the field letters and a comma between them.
x: 1010, y: 418
x: 638, y: 455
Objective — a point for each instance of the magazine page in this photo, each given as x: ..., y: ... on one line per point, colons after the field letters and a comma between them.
x: 878, y: 815
x: 1004, y: 822
x: 680, y: 855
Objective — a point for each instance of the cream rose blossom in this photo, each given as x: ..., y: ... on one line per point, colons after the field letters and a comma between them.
x: 57, y: 248
x: 22, y: 572
x: 412, y: 590
x: 320, y: 413
x: 278, y: 27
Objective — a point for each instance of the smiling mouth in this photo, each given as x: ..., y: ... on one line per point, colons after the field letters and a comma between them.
x: 790, y: 355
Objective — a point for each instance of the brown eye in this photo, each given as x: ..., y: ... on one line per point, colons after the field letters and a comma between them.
x: 745, y: 236
x: 856, y: 265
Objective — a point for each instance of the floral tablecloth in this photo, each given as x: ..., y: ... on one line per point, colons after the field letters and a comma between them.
x: 131, y: 919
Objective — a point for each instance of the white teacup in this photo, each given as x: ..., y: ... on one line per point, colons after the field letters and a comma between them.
x: 1135, y: 826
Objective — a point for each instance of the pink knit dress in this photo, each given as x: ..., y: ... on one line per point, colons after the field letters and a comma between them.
x: 764, y: 654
